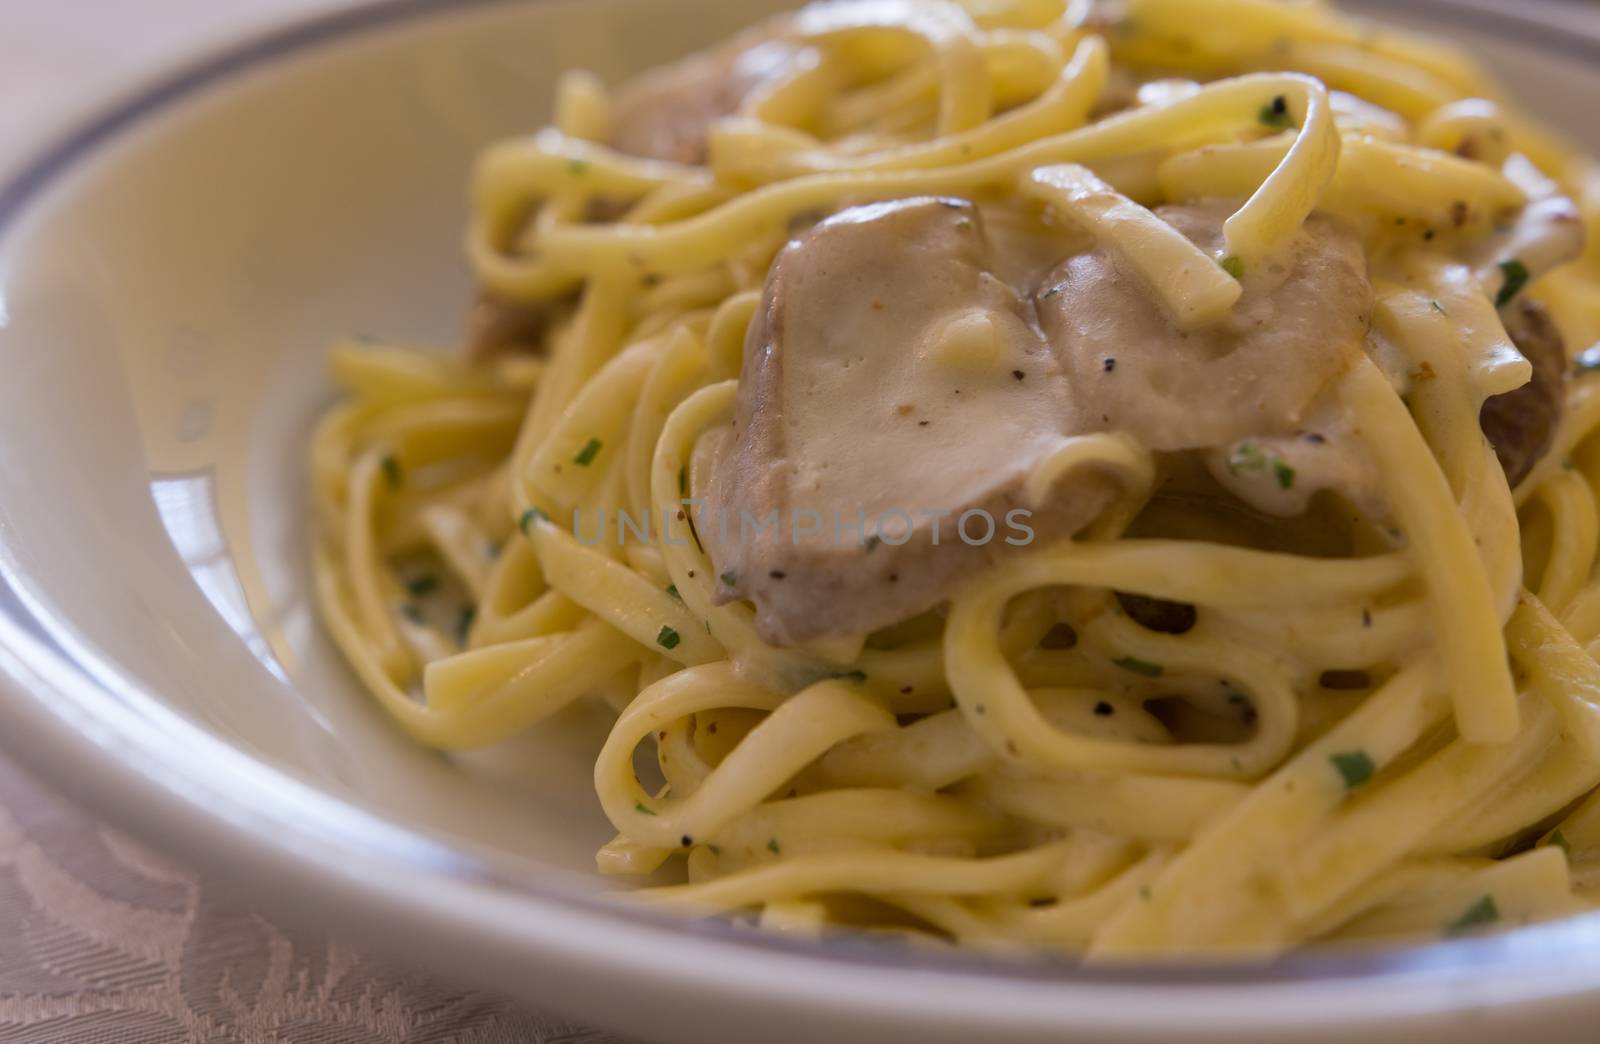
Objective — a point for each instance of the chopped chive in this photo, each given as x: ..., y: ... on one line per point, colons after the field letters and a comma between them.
x: 412, y: 613
x: 1477, y: 915
x: 730, y: 578
x: 714, y: 850
x: 1138, y: 666
x: 1516, y: 277
x: 425, y: 584
x: 1247, y: 456
x: 672, y: 589
x: 578, y: 167
x: 469, y: 616
x: 391, y: 471
x: 491, y: 549
x: 591, y: 450
x: 1284, y: 473
x: 1052, y: 292
x: 772, y: 846
x: 529, y: 517
x: 643, y: 809
x: 1355, y: 767
x: 668, y: 638
x: 1276, y: 113
x: 854, y: 676
x: 1437, y: 307
x: 1234, y: 266
x: 1559, y: 840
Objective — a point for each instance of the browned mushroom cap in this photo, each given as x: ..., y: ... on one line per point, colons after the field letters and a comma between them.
x: 497, y: 325
x: 1521, y: 425
x: 1301, y: 319
x: 667, y: 113
x: 890, y: 378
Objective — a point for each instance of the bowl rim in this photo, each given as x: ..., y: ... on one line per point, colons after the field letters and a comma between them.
x: 67, y: 714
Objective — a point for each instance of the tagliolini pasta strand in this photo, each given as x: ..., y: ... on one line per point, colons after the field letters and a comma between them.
x: 975, y: 777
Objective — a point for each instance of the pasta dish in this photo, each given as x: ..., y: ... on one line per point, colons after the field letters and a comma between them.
x: 1115, y: 479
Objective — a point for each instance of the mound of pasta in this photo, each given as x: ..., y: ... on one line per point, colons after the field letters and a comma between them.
x: 1107, y: 479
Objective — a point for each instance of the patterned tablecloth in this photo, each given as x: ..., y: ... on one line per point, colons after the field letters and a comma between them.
x: 105, y: 942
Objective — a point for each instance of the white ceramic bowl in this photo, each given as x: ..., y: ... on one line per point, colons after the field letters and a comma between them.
x: 170, y: 274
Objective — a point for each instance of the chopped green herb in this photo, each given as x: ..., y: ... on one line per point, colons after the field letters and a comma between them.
x: 529, y: 517
x: 469, y: 616
x: 854, y: 676
x: 1477, y: 915
x: 1437, y: 307
x: 591, y: 450
x: 1276, y: 113
x: 1516, y: 277
x: 578, y: 167
x: 1144, y: 893
x: 391, y: 471
x: 425, y: 584
x: 714, y: 850
x: 491, y: 549
x: 643, y: 809
x: 412, y: 613
x: 730, y: 578
x: 668, y: 638
x: 1052, y: 292
x: 1138, y: 666
x: 1588, y: 360
x: 1234, y: 266
x: 1354, y: 766
x: 1247, y: 456
x: 1559, y: 840
x: 672, y: 589
x: 772, y: 846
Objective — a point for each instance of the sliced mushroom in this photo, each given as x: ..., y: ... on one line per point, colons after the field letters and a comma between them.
x: 1302, y: 318
x: 496, y: 325
x: 1521, y: 425
x: 1279, y: 474
x: 892, y: 383
x: 667, y: 113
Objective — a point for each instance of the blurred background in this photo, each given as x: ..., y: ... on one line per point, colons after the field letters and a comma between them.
x: 55, y: 53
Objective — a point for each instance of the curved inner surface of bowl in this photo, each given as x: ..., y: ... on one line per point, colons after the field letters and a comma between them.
x: 167, y: 298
